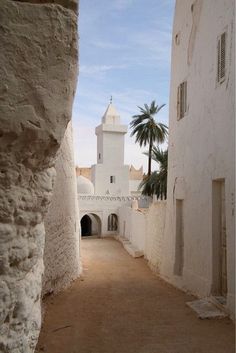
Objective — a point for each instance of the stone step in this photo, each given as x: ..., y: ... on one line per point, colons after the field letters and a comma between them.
x: 206, y: 309
x: 130, y: 248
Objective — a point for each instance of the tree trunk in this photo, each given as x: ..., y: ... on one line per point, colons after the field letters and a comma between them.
x: 150, y: 157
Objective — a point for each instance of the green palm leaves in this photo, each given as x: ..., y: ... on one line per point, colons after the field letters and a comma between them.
x: 156, y: 183
x: 146, y: 130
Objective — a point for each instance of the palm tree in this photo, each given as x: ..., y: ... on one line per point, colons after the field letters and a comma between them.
x: 147, y: 130
x: 156, y: 183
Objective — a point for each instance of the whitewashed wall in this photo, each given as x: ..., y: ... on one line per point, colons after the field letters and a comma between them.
x: 62, y: 224
x: 38, y: 72
x: 202, y: 144
x: 145, y: 230
x: 101, y: 174
x: 103, y: 206
x: 134, y: 187
x: 155, y: 227
x: 132, y: 226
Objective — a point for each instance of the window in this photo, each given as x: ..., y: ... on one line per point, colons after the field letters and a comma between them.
x: 112, y: 222
x: 182, y: 100
x: 99, y: 155
x: 221, y: 57
x: 112, y: 179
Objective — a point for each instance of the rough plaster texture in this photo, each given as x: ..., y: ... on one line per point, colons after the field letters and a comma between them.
x: 202, y: 144
x: 62, y: 225
x: 38, y: 56
x: 144, y: 229
x: 69, y: 4
x: 155, y: 227
x: 132, y: 226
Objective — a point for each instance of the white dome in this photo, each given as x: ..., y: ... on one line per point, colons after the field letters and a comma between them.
x: 84, y: 186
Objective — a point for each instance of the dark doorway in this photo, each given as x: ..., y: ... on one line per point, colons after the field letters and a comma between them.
x: 219, y: 239
x: 112, y: 223
x: 86, y: 226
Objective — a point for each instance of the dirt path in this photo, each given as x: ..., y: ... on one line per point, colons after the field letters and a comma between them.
x: 120, y: 306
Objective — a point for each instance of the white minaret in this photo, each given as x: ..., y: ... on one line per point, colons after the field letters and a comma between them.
x: 110, y: 175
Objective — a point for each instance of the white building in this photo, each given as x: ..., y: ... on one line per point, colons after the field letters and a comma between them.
x: 112, y: 183
x: 194, y: 248
x: 199, y: 232
x: 110, y: 176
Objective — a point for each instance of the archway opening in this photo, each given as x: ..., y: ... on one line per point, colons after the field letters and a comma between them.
x: 90, y: 225
x: 86, y: 226
x: 112, y: 224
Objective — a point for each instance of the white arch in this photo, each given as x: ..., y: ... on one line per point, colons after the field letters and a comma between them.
x: 97, y: 218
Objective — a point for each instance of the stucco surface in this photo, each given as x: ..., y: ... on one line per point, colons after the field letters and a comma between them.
x: 84, y: 185
x: 62, y: 224
x: 132, y: 226
x: 110, y: 156
x: 144, y: 228
x: 103, y: 206
x: 38, y: 56
x: 155, y: 227
x: 201, y: 144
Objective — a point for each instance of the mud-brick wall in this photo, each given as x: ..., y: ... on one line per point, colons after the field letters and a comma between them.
x: 62, y: 224
x: 38, y: 70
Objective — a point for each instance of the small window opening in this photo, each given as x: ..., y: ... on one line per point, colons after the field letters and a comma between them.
x: 177, y: 39
x: 112, y: 179
x: 221, y: 58
x: 99, y: 155
x: 182, y: 100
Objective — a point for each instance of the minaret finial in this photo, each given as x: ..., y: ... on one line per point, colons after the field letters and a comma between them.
x: 111, y: 100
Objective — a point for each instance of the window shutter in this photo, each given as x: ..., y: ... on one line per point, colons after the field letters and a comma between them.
x: 218, y: 60
x: 222, y: 55
x: 221, y: 58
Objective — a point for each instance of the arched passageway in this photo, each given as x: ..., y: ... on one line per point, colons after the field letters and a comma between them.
x: 90, y: 225
x: 112, y: 223
x: 86, y: 226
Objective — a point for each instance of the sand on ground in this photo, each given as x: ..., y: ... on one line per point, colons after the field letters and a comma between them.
x: 120, y: 306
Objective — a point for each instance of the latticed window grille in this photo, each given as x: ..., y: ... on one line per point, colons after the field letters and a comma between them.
x: 182, y: 100
x: 221, y: 58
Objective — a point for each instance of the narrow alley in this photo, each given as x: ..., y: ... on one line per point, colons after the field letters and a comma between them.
x: 120, y: 306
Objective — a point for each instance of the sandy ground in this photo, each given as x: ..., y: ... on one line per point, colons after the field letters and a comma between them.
x: 120, y: 306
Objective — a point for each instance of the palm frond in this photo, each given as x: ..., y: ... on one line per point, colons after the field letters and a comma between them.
x: 156, y: 183
x: 146, y: 130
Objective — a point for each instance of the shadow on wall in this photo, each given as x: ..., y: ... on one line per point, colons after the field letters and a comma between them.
x: 90, y: 225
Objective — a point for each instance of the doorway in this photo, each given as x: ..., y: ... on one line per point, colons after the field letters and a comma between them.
x: 90, y: 225
x: 112, y: 222
x: 219, y: 239
x: 86, y: 226
x: 179, y: 239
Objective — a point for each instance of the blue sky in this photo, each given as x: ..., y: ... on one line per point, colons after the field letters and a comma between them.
x: 125, y: 48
